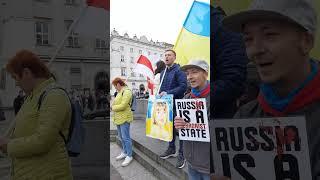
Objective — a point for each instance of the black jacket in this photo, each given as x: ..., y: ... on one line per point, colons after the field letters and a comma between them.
x: 228, y: 67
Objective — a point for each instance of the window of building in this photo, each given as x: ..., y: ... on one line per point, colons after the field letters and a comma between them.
x: 73, y: 39
x: 101, y: 44
x: 133, y: 74
x: 75, y: 77
x: 121, y: 48
x: 42, y: 32
x: 161, y: 55
x: 42, y: 0
x: 70, y: 2
x: 3, y: 77
x: 141, y: 75
x: 149, y: 53
x: 123, y: 71
x: 122, y: 58
x: 155, y: 54
x: 140, y: 51
x: 133, y: 84
x: 131, y: 60
x: 131, y: 50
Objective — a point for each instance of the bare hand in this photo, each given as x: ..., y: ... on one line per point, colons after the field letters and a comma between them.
x: 179, y: 123
x: 163, y: 93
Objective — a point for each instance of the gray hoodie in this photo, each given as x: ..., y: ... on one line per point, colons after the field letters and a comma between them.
x: 197, y: 153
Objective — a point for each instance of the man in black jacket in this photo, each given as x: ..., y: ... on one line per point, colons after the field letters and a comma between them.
x: 228, y: 70
x: 228, y: 67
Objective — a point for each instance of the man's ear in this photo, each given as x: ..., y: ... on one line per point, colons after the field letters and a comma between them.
x: 307, y: 43
x: 207, y: 74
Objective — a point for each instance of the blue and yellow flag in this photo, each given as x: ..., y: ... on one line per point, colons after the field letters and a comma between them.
x: 194, y: 39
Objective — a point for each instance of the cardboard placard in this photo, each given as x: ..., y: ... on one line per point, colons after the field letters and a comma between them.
x: 262, y: 148
x: 159, y: 122
x: 194, y: 112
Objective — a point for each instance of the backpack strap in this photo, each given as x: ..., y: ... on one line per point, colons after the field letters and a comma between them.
x: 130, y: 102
x: 41, y: 98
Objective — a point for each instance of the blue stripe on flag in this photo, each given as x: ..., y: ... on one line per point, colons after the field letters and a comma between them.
x: 198, y: 19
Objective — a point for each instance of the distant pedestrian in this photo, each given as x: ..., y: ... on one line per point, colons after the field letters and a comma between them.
x: 2, y: 114
x: 90, y: 102
x: 160, y: 66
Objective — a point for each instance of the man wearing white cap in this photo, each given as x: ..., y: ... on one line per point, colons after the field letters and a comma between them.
x: 197, y: 154
x: 279, y: 35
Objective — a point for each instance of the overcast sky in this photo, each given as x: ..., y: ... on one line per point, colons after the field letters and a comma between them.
x: 159, y: 20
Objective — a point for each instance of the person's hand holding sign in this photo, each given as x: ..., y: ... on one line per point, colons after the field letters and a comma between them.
x: 179, y: 123
x: 163, y: 93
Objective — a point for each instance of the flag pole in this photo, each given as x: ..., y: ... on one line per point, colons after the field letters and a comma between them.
x: 13, y: 122
x: 71, y: 28
x: 165, y: 70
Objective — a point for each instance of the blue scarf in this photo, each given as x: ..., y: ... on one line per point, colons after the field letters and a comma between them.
x: 280, y: 103
x: 197, y: 92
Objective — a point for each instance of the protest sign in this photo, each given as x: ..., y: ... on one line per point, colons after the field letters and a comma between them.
x: 159, y: 122
x: 194, y: 112
x: 262, y: 148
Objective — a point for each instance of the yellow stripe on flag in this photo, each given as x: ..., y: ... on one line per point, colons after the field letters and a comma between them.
x: 190, y: 46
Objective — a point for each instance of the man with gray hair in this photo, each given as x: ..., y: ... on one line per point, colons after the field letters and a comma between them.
x: 279, y: 35
x: 197, y: 154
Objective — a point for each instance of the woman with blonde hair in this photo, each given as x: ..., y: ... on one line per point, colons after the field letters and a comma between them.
x: 160, y: 121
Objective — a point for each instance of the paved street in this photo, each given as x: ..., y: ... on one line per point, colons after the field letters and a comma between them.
x: 93, y: 162
x: 134, y: 171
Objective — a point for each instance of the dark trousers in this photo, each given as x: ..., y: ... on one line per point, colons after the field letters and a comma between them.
x: 175, y: 132
x: 172, y: 143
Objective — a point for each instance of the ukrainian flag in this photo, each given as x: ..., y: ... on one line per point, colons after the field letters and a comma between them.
x: 193, y: 41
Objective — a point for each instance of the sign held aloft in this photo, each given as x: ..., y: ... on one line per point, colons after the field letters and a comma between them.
x: 159, y: 122
x: 194, y: 112
x: 262, y: 148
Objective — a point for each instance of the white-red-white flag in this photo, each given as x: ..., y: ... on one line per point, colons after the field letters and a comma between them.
x: 144, y: 67
x: 94, y: 22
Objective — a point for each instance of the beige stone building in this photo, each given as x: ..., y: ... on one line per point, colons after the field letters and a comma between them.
x: 40, y: 25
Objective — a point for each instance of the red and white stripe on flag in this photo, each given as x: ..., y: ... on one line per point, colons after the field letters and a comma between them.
x: 144, y: 67
x: 95, y: 20
x: 105, y: 4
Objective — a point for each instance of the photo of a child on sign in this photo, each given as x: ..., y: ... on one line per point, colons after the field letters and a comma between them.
x: 159, y: 119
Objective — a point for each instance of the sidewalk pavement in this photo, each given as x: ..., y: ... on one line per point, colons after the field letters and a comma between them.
x: 134, y: 171
x: 4, y: 168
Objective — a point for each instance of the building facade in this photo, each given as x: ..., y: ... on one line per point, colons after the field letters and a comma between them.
x: 125, y: 51
x: 40, y: 26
